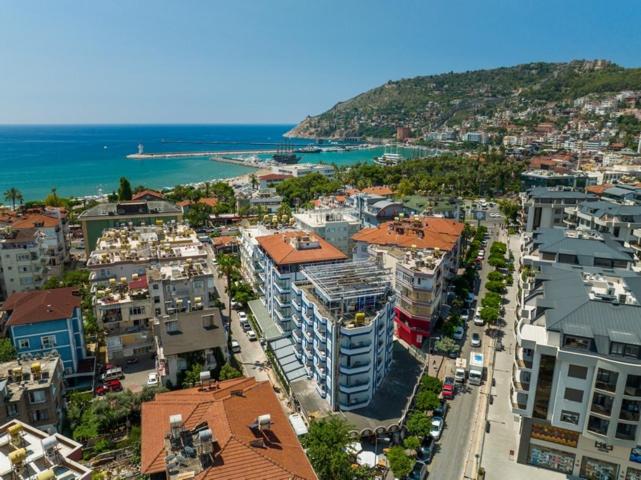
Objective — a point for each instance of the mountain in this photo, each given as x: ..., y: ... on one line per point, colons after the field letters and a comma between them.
x: 429, y: 102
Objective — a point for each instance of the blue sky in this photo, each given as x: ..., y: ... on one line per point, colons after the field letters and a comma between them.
x: 273, y: 61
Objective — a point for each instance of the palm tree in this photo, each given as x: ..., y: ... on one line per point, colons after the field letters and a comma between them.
x: 254, y: 181
x: 13, y: 195
x: 228, y: 268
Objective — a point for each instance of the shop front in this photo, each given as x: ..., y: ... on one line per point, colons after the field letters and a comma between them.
x: 551, y: 459
x: 593, y: 469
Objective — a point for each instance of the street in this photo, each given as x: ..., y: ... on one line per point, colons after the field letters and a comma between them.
x: 456, y: 443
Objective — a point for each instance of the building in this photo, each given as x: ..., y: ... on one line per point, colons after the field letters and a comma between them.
x: 124, y: 251
x: 474, y: 137
x: 184, y: 338
x: 576, y: 377
x: 225, y: 244
x: 549, y: 178
x: 224, y: 430
x: 403, y: 133
x: 186, y: 205
x: 251, y: 257
x: 28, y: 453
x: 334, y: 225
x: 31, y: 391
x: 422, y: 253
x: 41, y: 321
x: 302, y: 169
x: 54, y: 230
x: 265, y: 200
x: 109, y: 215
x: 605, y: 217
x: 373, y: 209
x: 147, y: 196
x: 574, y: 247
x: 22, y: 261
x: 343, y: 330
x: 270, y: 180
x: 282, y: 256
x: 545, y: 207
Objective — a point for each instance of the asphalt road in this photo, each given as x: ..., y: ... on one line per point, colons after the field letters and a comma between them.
x: 449, y: 460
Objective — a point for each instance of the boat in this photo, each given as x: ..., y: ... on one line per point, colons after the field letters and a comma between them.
x: 389, y: 159
x: 285, y: 154
x: 308, y: 149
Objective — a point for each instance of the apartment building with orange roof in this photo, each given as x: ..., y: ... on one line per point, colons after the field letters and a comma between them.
x: 221, y: 430
x: 423, y: 253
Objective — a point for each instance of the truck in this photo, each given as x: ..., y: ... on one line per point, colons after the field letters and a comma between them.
x: 461, y: 370
x: 475, y: 373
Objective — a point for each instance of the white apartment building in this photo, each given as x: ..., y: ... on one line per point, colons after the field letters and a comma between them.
x: 545, y: 207
x: 302, y: 169
x: 576, y: 383
x: 23, y: 263
x: 607, y: 217
x: 334, y: 225
x: 344, y: 329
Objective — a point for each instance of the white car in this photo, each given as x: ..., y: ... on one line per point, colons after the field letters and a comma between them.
x: 459, y: 333
x: 235, y: 346
x: 478, y: 320
x: 437, y: 428
x: 476, y: 340
x: 252, y: 335
x: 153, y: 380
x: 242, y: 316
x: 495, y: 215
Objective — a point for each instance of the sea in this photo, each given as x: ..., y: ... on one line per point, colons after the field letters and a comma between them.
x: 89, y: 160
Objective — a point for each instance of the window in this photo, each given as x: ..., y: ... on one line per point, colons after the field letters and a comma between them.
x: 606, y: 380
x: 137, y: 310
x: 630, y: 410
x: 579, y: 343
x: 23, y: 343
x: 570, y: 417
x: 577, y: 371
x: 171, y: 326
x: 633, y: 385
x: 624, y: 350
x: 598, y: 425
x: 573, y: 395
x: 12, y: 409
x: 37, y: 396
x: 626, y: 431
x: 156, y: 299
x: 48, y: 341
x: 602, y: 404
x: 40, y: 415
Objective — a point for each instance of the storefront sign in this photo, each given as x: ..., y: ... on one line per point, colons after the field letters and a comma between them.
x: 555, y: 435
x: 551, y: 459
x: 593, y: 469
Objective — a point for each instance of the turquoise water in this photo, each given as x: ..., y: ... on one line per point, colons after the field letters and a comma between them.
x: 89, y: 160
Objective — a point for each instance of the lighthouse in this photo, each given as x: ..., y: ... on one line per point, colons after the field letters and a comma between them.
x: 141, y: 149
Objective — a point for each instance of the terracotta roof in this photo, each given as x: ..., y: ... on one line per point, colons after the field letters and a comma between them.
x: 211, y: 201
x: 184, y: 203
x: 41, y: 305
x: 280, y: 247
x: 428, y: 232
x: 598, y: 189
x: 352, y: 191
x: 229, y: 417
x: 224, y: 240
x: 139, y: 283
x: 34, y: 220
x: 384, y: 191
x: 271, y: 177
x: 150, y: 193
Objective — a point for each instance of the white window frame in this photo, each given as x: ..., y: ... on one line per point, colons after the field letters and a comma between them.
x: 23, y: 343
x: 51, y: 339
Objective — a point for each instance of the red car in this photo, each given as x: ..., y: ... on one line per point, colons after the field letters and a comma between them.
x: 109, y: 386
x: 448, y: 388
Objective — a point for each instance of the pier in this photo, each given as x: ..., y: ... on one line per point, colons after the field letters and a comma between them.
x: 148, y: 156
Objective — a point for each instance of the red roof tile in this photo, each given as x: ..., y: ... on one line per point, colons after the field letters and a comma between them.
x: 282, y: 250
x: 41, y: 305
x: 229, y: 417
x: 34, y: 220
x: 224, y: 240
x: 384, y: 191
x: 148, y: 193
x: 272, y: 177
x: 428, y: 232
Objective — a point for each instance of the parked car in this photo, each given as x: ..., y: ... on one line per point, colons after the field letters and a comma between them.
x: 252, y: 335
x: 459, y: 333
x: 478, y: 320
x: 114, y: 373
x: 448, y: 391
x: 153, y: 380
x: 425, y: 452
x: 441, y: 411
x: 437, y: 427
x: 465, y: 314
x: 242, y: 316
x: 235, y: 346
x: 476, y: 340
x: 246, y: 326
x: 110, y: 386
x: 419, y: 472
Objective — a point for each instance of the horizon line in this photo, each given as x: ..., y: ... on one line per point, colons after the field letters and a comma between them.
x: 123, y: 124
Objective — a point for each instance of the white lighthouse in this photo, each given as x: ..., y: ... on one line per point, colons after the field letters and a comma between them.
x: 141, y: 148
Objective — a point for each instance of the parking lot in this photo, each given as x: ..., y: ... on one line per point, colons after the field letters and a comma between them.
x: 136, y: 374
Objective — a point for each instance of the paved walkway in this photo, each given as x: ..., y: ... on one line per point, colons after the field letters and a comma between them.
x: 499, y: 446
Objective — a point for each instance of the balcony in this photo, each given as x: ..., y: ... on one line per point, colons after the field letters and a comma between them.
x: 353, y: 405
x: 320, y: 352
x: 283, y: 316
x: 322, y: 372
x: 519, y: 402
x: 296, y: 320
x: 308, y: 319
x: 297, y: 336
x: 282, y: 301
x: 282, y: 287
x: 354, y: 387
x: 308, y: 335
x: 320, y: 333
x: 520, y: 380
x: 356, y: 348
x: 296, y: 304
x: 357, y: 367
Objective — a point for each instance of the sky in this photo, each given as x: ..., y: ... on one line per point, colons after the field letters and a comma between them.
x: 273, y: 61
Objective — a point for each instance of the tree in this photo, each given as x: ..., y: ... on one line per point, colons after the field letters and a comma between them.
x: 227, y: 372
x: 427, y: 400
x: 491, y: 299
x: 412, y: 442
x: 13, y: 195
x: 124, y: 190
x: 431, y: 384
x: 192, y: 376
x: 254, y: 181
x: 489, y: 315
x: 52, y: 200
x: 284, y: 209
x: 495, y: 276
x: 509, y: 209
x: 198, y: 215
x: 228, y: 268
x: 7, y: 350
x: 326, y: 444
x: 447, y: 345
x: 497, y: 261
x: 399, y: 462
x: 494, y: 286
x: 419, y: 423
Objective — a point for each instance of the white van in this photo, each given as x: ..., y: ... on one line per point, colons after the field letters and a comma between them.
x: 115, y: 373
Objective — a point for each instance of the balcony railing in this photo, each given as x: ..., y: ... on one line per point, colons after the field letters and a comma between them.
x: 356, y: 349
x: 355, y: 368
x: 523, y: 361
x: 296, y: 320
x: 354, y: 387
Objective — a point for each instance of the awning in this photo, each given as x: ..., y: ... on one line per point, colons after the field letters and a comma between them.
x: 270, y: 330
x: 298, y: 424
